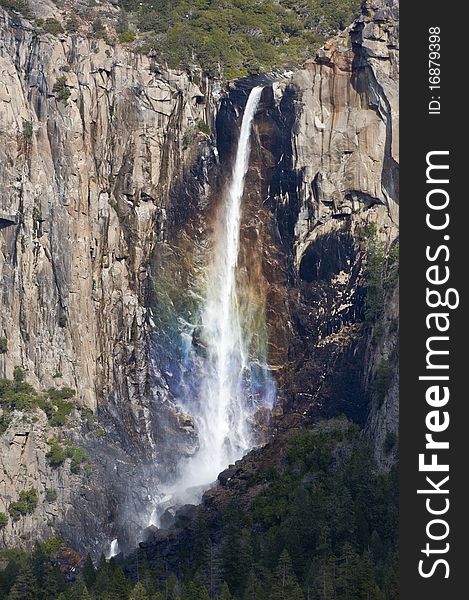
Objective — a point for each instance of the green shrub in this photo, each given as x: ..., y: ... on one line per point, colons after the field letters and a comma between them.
x: 52, y: 545
x: 62, y: 322
x: 18, y: 374
x: 62, y: 93
x: 52, y: 26
x: 25, y: 505
x: 126, y: 37
x: 19, y: 395
x: 367, y: 232
x: 5, y: 420
x: 88, y: 415
x: 382, y: 382
x: 4, y: 518
x: 98, y: 28
x: 63, y: 409
x: 15, y: 395
x: 57, y: 453
x: 188, y: 137
x: 382, y: 271
x: 79, y: 458
x: 374, y: 285
x: 392, y: 266
x: 57, y: 394
x: 27, y: 130
x: 51, y: 495
x: 72, y: 25
x: 18, y: 6
x: 203, y: 127
x: 3, y: 345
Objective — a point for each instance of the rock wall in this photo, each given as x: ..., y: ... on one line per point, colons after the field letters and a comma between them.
x: 86, y: 170
x: 109, y: 187
x: 92, y: 138
x: 345, y: 154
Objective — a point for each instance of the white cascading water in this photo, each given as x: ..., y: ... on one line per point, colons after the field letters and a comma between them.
x: 113, y: 550
x: 224, y: 431
x: 224, y: 411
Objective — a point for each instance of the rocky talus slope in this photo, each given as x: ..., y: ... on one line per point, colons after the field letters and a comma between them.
x: 111, y: 174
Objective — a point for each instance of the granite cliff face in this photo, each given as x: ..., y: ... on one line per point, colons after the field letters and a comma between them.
x: 87, y: 167
x: 345, y: 157
x: 91, y: 140
x: 112, y: 169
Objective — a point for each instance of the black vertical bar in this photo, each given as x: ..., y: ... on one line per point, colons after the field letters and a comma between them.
x: 438, y: 127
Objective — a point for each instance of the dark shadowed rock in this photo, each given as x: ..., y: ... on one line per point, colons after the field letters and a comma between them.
x: 225, y: 476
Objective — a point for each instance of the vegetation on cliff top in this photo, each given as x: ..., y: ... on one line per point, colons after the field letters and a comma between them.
x: 225, y: 38
x: 237, y: 37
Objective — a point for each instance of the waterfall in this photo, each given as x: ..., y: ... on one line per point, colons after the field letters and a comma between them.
x: 113, y: 550
x: 229, y: 381
x: 223, y: 423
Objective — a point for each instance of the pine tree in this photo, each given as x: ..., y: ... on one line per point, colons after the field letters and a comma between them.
x: 89, y: 572
x: 50, y: 585
x: 391, y: 579
x: 225, y: 592
x: 236, y: 551
x: 111, y: 580
x: 362, y: 535
x: 201, y: 544
x: 10, y: 573
x: 320, y: 582
x: 172, y: 588
x: 210, y: 571
x: 355, y: 579
x: 102, y: 564
x: 50, y: 582
x: 147, y: 575
x: 85, y: 595
x: 139, y: 592
x: 78, y: 591
x: 346, y: 573
x: 368, y: 587
x: 193, y: 590
x: 158, y: 574
x: 25, y: 586
x: 253, y: 589
x: 38, y: 561
x: 286, y: 586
